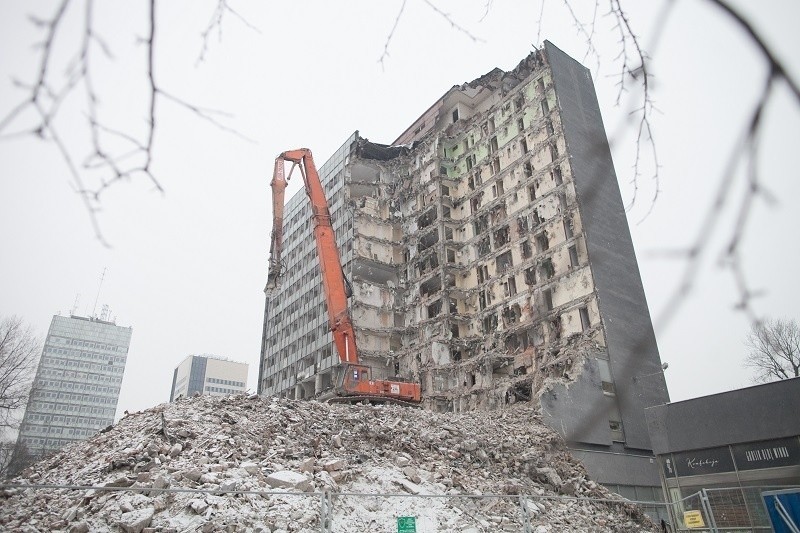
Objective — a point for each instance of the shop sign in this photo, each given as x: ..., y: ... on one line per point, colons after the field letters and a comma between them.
x: 767, y: 454
x: 703, y: 462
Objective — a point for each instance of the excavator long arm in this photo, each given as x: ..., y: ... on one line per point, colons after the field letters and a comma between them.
x: 333, y: 280
x: 278, y: 185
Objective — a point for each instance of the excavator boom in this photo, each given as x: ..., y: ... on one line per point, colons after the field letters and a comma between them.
x: 355, y: 380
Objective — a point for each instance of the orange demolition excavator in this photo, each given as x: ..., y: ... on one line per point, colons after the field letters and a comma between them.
x: 353, y: 381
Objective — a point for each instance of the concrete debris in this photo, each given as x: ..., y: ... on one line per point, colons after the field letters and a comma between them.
x: 136, y: 521
x: 278, y: 451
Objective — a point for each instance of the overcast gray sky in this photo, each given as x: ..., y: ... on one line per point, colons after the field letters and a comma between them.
x: 186, y: 269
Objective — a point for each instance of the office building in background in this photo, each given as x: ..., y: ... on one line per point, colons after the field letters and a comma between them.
x: 77, y: 383
x: 208, y: 374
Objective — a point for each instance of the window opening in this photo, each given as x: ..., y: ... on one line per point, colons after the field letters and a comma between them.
x: 548, y: 299
x: 584, y: 314
x: 573, y: 256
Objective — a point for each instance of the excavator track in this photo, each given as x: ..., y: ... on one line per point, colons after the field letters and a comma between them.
x: 371, y: 399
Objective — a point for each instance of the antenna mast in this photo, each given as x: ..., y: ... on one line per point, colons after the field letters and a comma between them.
x: 102, y: 277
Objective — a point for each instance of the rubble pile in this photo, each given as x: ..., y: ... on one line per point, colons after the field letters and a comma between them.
x: 234, y: 446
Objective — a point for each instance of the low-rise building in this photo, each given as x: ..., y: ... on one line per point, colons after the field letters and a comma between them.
x: 734, y: 445
x: 208, y: 374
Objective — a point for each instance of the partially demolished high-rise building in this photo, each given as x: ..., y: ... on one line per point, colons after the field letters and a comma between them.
x: 491, y: 262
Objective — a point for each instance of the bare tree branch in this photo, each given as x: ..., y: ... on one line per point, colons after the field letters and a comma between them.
x: 634, y: 70
x: 539, y: 23
x: 775, y: 65
x: 588, y: 35
x: 19, y: 351
x: 215, y: 24
x: 487, y: 8
x: 774, y: 350
x: 453, y: 24
x: 47, y: 93
x: 446, y: 16
x: 385, y: 53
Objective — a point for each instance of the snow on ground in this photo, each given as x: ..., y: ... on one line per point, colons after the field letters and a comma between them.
x: 272, y: 465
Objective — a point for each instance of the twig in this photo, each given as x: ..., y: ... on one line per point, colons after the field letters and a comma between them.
x: 639, y: 74
x: 216, y: 24
x: 539, y: 24
x: 385, y: 53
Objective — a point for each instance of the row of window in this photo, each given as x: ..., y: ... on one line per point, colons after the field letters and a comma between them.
x: 85, y: 355
x: 76, y: 386
x: 45, y: 406
x: 58, y: 430
x: 87, y: 398
x: 222, y: 390
x: 109, y: 368
x: 48, y: 443
x: 88, y: 344
x: 225, y: 382
x: 78, y: 375
x: 68, y: 420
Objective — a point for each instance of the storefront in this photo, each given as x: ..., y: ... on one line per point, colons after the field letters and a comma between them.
x: 718, y: 453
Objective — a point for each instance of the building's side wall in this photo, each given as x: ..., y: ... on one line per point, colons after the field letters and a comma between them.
x: 174, y: 381
x: 197, y: 375
x: 77, y: 383
x: 181, y: 378
x: 224, y: 377
x: 632, y: 350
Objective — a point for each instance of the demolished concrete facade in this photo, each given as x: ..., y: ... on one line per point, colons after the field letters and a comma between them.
x: 491, y: 262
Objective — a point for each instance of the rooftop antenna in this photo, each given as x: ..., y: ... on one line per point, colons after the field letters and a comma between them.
x: 74, y: 309
x: 102, y: 277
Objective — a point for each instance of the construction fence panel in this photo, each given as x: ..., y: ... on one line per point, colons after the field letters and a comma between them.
x: 722, y: 509
x: 691, y: 513
x: 738, y: 507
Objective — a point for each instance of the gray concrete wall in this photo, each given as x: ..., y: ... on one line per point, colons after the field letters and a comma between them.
x: 619, y: 469
x: 632, y: 349
x: 568, y: 408
x: 763, y: 412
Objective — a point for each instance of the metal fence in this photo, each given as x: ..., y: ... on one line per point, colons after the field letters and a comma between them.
x: 728, y: 509
x: 340, y: 512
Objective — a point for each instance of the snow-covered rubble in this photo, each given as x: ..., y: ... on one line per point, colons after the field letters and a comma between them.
x: 311, y: 456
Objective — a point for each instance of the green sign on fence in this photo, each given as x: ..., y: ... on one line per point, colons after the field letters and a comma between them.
x: 406, y: 524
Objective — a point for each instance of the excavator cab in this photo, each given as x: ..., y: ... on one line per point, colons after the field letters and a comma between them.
x: 355, y: 377
x: 355, y: 382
